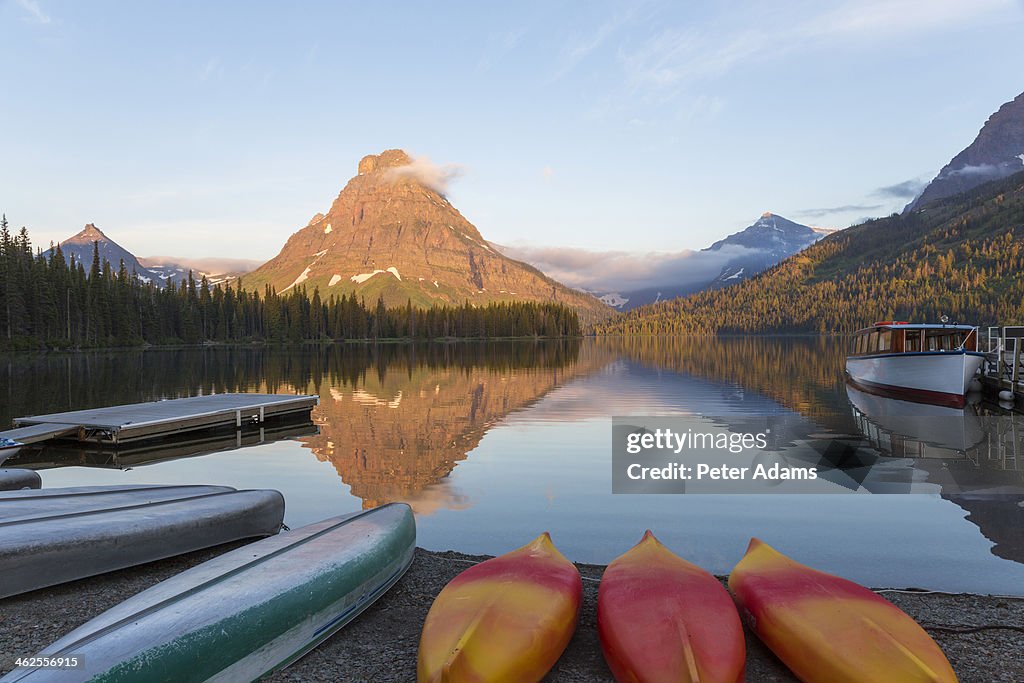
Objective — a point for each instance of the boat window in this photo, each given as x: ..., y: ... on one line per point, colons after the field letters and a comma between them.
x: 885, y: 340
x: 858, y: 344
x: 873, y: 342
x: 933, y: 342
x: 913, y: 340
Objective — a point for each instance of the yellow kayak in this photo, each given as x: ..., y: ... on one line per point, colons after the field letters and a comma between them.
x: 830, y: 630
x: 506, y: 619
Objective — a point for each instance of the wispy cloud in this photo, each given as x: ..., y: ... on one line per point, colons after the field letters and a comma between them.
x: 34, y: 11
x: 211, y: 69
x: 677, y: 55
x: 498, y: 46
x: 908, y: 189
x: 833, y: 210
x: 622, y: 271
x: 581, y: 44
x: 438, y: 177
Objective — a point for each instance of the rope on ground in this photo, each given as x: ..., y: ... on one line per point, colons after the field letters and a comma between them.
x: 915, y: 591
x: 971, y: 629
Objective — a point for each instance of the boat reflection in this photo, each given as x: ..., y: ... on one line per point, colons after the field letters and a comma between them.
x: 975, y: 453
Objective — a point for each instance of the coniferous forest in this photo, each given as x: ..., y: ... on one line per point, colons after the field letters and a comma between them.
x: 962, y: 257
x: 49, y: 303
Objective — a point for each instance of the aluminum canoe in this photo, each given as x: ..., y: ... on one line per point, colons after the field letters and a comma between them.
x: 52, y: 536
x: 246, y: 613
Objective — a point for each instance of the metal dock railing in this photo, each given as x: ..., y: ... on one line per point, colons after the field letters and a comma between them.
x: 1004, y: 360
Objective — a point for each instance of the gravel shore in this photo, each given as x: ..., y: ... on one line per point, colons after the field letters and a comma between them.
x: 982, y: 636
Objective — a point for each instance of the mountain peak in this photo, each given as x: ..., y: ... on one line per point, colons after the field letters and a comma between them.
x: 392, y: 234
x: 766, y: 214
x: 390, y: 158
x: 997, y: 152
x: 90, y: 233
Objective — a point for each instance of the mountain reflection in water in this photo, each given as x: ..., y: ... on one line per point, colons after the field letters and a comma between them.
x: 491, y: 442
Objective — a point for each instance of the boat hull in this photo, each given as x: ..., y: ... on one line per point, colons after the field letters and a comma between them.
x: 17, y: 479
x: 246, y: 613
x: 830, y: 630
x: 504, y: 620
x: 939, y: 377
x: 48, y: 537
x: 663, y: 619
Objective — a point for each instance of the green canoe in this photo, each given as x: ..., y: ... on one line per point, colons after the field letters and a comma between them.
x: 246, y: 613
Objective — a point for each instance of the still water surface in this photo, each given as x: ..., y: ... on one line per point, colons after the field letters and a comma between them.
x: 493, y: 443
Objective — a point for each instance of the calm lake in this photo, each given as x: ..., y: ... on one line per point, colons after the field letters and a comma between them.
x: 492, y: 443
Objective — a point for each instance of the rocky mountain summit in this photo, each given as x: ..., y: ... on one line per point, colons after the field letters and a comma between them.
x: 80, y: 246
x: 392, y: 233
x: 769, y: 240
x: 996, y: 153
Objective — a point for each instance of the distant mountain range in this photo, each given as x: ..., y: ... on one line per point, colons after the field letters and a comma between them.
x: 392, y: 233
x: 763, y: 244
x: 158, y: 270
x: 996, y: 153
x: 961, y: 258
x: 215, y: 270
x: 80, y: 247
x: 943, y: 256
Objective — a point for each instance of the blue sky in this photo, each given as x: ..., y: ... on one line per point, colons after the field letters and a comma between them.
x: 218, y: 129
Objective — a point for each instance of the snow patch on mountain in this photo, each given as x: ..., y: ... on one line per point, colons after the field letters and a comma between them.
x: 363, y: 277
x: 335, y: 279
x: 303, y: 276
x: 614, y: 299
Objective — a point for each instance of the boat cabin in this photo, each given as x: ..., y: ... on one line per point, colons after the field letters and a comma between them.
x: 901, y: 337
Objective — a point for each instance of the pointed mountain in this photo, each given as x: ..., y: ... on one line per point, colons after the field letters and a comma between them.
x: 768, y: 241
x: 996, y: 153
x: 392, y: 233
x: 80, y: 246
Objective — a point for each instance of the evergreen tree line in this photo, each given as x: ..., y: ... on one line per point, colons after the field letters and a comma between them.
x: 47, y: 301
x: 962, y: 257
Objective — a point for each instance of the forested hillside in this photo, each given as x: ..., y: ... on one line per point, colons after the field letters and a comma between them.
x: 47, y: 302
x: 962, y: 257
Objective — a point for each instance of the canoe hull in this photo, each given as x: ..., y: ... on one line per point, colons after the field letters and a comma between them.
x: 46, y: 549
x: 663, y: 619
x: 830, y: 630
x: 248, y: 612
x: 507, y: 619
x: 17, y: 479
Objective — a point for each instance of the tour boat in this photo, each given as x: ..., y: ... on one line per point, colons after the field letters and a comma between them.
x: 928, y: 363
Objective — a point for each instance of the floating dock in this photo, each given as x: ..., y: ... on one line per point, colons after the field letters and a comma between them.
x: 156, y: 419
x: 1003, y: 370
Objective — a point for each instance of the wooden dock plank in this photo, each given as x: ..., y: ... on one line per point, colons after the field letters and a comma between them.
x: 157, y: 418
x: 40, y: 432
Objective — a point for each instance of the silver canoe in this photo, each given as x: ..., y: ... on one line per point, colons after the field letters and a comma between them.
x: 14, y: 479
x: 246, y: 613
x: 52, y: 536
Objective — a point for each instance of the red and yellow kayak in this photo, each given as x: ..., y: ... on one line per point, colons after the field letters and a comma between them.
x: 661, y: 618
x: 830, y: 630
x: 506, y: 619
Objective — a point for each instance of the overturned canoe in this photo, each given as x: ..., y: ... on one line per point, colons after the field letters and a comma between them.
x: 14, y: 479
x: 246, y: 613
x: 661, y: 618
x: 830, y: 630
x: 52, y: 536
x: 507, y: 619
